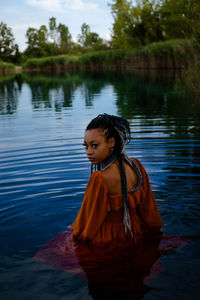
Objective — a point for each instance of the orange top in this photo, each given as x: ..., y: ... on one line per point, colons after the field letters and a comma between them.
x: 100, y: 218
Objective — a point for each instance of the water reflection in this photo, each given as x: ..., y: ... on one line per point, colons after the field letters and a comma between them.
x: 49, y: 91
x: 9, y: 92
x: 52, y: 92
x: 160, y: 104
x: 44, y: 170
x: 165, y: 103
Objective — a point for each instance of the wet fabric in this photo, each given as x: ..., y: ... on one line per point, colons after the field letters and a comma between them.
x: 115, y: 268
x: 96, y: 248
x: 100, y: 219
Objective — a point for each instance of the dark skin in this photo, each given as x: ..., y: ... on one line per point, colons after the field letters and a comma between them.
x: 113, y: 179
x: 98, y: 148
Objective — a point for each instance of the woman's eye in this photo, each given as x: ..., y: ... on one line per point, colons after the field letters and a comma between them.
x: 94, y: 146
x: 86, y: 146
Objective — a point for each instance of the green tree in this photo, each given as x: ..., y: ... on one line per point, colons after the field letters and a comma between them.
x: 53, y: 35
x: 65, y: 38
x: 89, y: 40
x: 180, y: 18
x: 121, y: 11
x: 43, y: 44
x: 82, y: 38
x: 32, y: 37
x: 37, y: 41
x: 135, y: 25
x: 61, y: 37
x: 42, y: 35
x: 9, y: 51
x: 150, y: 20
x: 53, y: 29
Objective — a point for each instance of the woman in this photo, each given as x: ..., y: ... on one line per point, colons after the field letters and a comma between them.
x: 118, y: 204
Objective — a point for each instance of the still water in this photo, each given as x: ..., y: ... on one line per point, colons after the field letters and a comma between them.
x: 44, y: 171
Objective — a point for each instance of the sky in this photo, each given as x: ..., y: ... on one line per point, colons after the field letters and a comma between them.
x: 22, y: 14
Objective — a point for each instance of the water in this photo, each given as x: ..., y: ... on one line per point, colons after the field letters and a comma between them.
x: 44, y: 171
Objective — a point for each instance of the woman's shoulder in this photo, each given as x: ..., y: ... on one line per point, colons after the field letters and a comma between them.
x: 96, y: 179
x: 95, y: 176
x: 111, y: 173
x: 137, y: 163
x: 96, y: 184
x: 111, y: 179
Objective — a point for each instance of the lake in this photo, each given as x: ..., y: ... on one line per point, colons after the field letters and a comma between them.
x: 44, y: 171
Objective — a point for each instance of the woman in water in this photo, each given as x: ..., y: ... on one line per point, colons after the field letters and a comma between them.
x: 117, y: 229
x: 118, y: 206
x: 116, y: 240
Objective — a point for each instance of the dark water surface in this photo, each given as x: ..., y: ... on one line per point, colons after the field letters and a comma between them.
x: 44, y: 170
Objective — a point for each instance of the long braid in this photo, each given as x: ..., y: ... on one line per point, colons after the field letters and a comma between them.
x: 126, y: 216
x: 118, y: 128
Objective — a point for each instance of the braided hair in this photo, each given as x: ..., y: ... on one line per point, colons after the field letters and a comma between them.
x: 113, y: 126
x: 116, y: 127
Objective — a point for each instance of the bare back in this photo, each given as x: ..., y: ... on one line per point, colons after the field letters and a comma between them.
x: 113, y: 179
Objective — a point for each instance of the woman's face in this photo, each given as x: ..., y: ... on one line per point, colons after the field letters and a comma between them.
x: 97, y: 147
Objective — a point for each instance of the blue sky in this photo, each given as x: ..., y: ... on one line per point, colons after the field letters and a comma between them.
x: 21, y: 14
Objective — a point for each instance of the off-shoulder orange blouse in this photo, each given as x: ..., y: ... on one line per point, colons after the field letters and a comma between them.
x: 100, y: 219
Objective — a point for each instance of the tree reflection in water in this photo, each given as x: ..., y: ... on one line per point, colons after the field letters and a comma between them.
x: 155, y: 98
x: 10, y: 88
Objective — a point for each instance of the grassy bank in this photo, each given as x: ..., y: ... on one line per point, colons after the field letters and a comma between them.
x: 183, y: 55
x: 52, y: 63
x: 174, y: 54
x: 6, y: 68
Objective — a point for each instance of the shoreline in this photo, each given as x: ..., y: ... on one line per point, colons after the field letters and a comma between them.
x: 174, y: 54
x: 7, y: 70
x: 181, y: 56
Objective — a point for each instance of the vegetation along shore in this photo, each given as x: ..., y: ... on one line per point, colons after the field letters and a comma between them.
x: 174, y: 54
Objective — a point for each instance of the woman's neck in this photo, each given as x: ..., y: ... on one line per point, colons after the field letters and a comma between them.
x: 104, y: 164
x: 107, y: 162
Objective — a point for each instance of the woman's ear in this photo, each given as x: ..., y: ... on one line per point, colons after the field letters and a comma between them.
x: 111, y: 142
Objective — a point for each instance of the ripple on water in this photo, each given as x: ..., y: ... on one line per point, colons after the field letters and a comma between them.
x: 44, y: 170
x: 41, y: 179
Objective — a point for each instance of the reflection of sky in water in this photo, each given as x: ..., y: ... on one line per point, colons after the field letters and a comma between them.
x: 26, y: 121
x: 44, y: 171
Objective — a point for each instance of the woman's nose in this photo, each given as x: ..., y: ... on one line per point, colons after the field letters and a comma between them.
x: 89, y: 150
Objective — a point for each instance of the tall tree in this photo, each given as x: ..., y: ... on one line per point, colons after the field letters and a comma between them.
x: 32, y: 37
x: 53, y: 35
x: 8, y: 48
x: 53, y: 29
x: 147, y: 21
x: 42, y: 42
x: 135, y: 24
x: 180, y: 18
x: 65, y: 38
x: 37, y: 40
x: 89, y: 40
x: 123, y: 22
x: 83, y: 37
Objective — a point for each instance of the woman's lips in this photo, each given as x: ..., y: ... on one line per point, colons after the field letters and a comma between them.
x: 91, y: 159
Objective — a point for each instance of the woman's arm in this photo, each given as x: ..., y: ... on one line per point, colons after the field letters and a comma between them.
x: 93, y: 209
x: 148, y: 208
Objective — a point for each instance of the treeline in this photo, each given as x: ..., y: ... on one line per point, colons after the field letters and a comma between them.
x: 48, y: 41
x: 56, y: 40
x: 153, y: 21
x: 134, y: 25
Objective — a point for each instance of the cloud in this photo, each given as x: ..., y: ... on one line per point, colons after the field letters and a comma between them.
x: 23, y: 27
x: 60, y: 5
